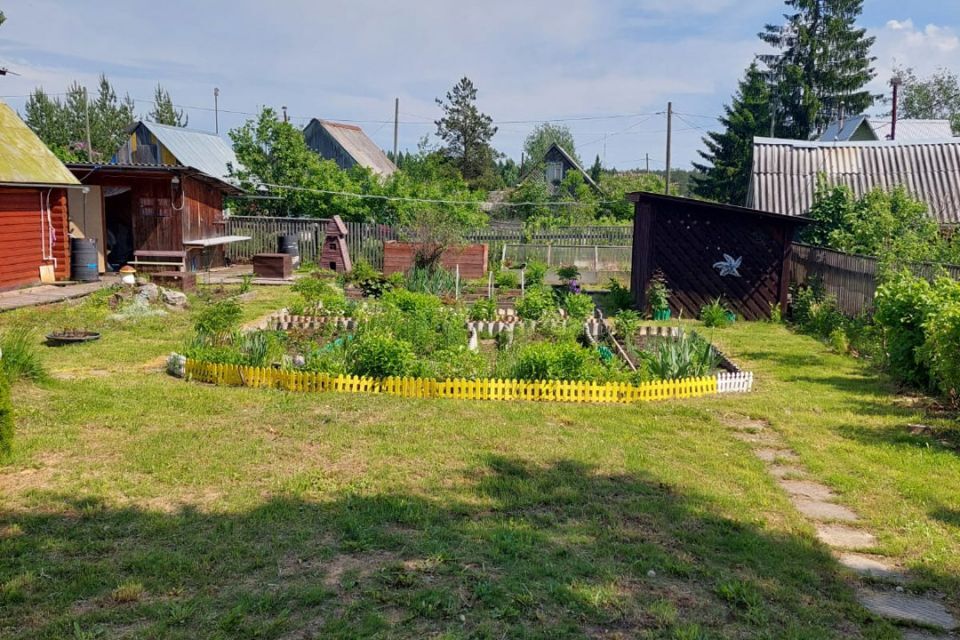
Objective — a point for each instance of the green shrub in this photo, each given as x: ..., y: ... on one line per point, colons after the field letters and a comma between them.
x: 380, y: 355
x: 6, y: 416
x: 687, y: 356
x: 484, y: 309
x: 312, y: 289
x: 625, y: 325
x: 620, y: 296
x: 567, y: 273
x: 218, y: 318
x: 456, y: 362
x: 776, y: 313
x: 362, y: 270
x: 534, y: 273
x: 421, y: 304
x: 556, y: 361
x: 902, y: 305
x: 436, y: 281
x: 941, y: 348
x: 506, y: 279
x: 715, y: 314
x: 579, y: 306
x: 658, y: 295
x: 20, y: 355
x: 534, y: 303
x: 839, y: 341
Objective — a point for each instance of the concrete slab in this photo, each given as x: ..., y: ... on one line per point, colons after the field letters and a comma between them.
x: 904, y: 607
x: 871, y: 567
x: 806, y: 489
x: 49, y: 294
x: 782, y: 471
x: 841, y: 536
x: 772, y: 454
x: 823, y: 511
x: 914, y: 634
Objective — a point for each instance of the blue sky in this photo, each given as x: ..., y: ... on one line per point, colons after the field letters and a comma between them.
x: 613, y: 64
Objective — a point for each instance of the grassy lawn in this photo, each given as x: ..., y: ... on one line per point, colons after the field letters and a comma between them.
x: 141, y: 506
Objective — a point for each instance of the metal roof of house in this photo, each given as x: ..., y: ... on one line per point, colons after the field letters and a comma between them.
x: 203, y: 151
x: 84, y: 171
x: 879, y: 129
x: 785, y: 172
x: 24, y: 158
x: 359, y: 146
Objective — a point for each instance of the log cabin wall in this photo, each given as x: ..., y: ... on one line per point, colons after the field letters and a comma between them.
x: 29, y: 239
x: 690, y: 241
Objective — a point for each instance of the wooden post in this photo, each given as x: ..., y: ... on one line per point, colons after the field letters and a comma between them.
x: 458, y: 282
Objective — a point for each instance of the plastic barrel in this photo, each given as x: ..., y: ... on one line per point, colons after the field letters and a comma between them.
x: 83, y: 260
x: 289, y: 243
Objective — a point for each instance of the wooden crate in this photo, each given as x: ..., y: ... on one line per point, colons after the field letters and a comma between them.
x: 471, y: 258
x: 185, y: 281
x: 277, y: 266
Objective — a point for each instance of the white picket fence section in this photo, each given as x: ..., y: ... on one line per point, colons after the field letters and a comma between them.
x: 734, y: 382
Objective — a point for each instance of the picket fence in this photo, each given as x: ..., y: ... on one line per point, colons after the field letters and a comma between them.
x: 486, y: 389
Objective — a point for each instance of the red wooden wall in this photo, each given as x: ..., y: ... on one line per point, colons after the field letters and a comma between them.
x: 23, y: 231
x: 472, y: 258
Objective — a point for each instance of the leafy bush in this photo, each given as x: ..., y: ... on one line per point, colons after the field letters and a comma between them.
x: 839, y: 340
x: 534, y: 303
x: 901, y: 308
x: 556, y: 361
x: 421, y: 304
x: 218, y: 318
x: 20, y: 355
x: 620, y: 296
x: 436, y: 281
x: 362, y: 270
x: 312, y: 289
x: 941, y: 350
x: 506, y: 279
x: 815, y: 312
x: 535, y: 273
x: 625, y: 325
x: 776, y: 313
x: 6, y: 416
x: 579, y: 306
x: 687, y: 356
x: 483, y: 309
x: 567, y: 273
x: 379, y: 355
x: 715, y: 314
x: 658, y: 295
x: 457, y: 362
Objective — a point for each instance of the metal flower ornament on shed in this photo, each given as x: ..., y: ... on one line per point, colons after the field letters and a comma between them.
x: 728, y: 266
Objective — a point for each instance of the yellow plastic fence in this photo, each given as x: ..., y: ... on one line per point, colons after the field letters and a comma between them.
x: 544, y: 391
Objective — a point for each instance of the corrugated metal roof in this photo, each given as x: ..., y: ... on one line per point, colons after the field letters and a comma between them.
x: 784, y: 173
x: 912, y: 130
x: 360, y: 147
x: 23, y: 156
x: 843, y: 130
x: 203, y: 151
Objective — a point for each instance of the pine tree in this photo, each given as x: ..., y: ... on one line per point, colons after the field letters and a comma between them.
x: 596, y: 170
x: 466, y: 132
x: 109, y: 119
x: 730, y: 152
x: 823, y: 66
x: 164, y: 111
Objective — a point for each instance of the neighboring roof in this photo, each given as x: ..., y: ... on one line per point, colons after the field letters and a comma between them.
x: 84, y: 170
x: 24, y: 158
x: 647, y: 196
x: 358, y: 146
x: 203, y: 151
x: 785, y: 172
x: 576, y: 165
x: 910, y: 130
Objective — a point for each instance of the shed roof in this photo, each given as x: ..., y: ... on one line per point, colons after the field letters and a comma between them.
x: 908, y: 130
x: 359, y: 146
x: 132, y: 170
x: 24, y: 158
x: 716, y: 207
x: 203, y: 151
x: 785, y: 172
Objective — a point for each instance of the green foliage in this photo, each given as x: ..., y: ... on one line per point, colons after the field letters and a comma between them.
x: 483, y: 309
x: 620, y: 296
x: 658, y: 295
x: 362, y: 270
x: 941, y: 349
x: 615, y: 207
x: 414, y: 303
x: 535, y: 303
x: 715, y: 314
x: 164, y: 112
x: 534, y: 273
x: 506, y: 279
x: 437, y: 281
x: 380, y: 355
x: 776, y: 313
x: 544, y: 135
x: 729, y: 153
x: 568, y: 273
x: 218, y: 318
x: 455, y: 362
x: 557, y: 361
x: 579, y: 306
x: 6, y: 415
x: 838, y: 340
x: 20, y: 355
x: 936, y: 97
x: 815, y: 312
x: 688, y: 356
x: 466, y: 133
x: 901, y: 308
x: 625, y: 325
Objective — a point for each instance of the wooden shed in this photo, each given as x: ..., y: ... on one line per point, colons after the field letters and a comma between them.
x: 708, y: 251
x: 34, y: 244
x: 152, y: 215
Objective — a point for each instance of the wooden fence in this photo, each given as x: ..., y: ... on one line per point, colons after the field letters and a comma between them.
x: 365, y: 241
x: 486, y: 389
x: 851, y: 279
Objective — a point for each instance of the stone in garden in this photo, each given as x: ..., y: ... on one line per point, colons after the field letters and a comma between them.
x: 148, y: 292
x: 177, y: 365
x: 785, y: 471
x: 173, y: 298
x: 906, y: 608
x: 870, y: 566
x: 806, y: 489
x: 841, y: 536
x: 823, y: 511
x: 772, y: 455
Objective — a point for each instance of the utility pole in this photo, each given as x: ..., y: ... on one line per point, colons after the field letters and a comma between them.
x: 669, y: 141
x: 895, y: 82
x: 216, y: 111
x: 648, y: 161
x: 285, y: 118
x: 86, y: 116
x: 396, y: 127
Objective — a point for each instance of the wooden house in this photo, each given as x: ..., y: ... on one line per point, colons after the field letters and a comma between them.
x: 154, y: 217
x: 708, y: 251
x: 554, y: 167
x: 348, y: 146
x: 34, y: 243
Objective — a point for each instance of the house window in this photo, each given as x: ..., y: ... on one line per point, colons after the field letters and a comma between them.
x: 554, y: 172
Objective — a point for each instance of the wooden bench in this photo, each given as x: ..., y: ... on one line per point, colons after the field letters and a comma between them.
x: 163, y: 259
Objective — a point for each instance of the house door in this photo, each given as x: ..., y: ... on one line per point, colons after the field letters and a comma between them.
x: 118, y: 212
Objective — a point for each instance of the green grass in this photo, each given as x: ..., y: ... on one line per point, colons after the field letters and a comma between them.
x: 140, y: 506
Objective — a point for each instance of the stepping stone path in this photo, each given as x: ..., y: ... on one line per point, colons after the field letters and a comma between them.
x: 836, y: 527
